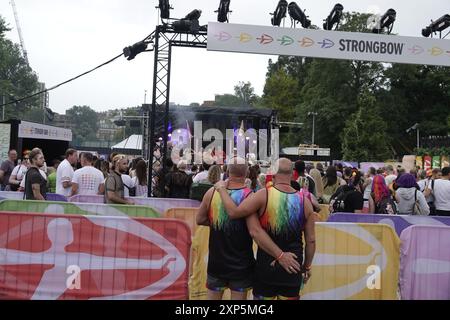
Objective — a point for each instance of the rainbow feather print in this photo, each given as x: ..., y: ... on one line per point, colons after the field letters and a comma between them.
x: 284, y: 212
x: 218, y: 217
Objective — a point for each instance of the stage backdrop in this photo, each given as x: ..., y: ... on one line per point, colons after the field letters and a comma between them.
x: 49, y: 257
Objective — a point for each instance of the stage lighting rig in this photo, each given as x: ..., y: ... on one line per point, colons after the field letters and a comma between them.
x: 279, y: 13
x: 223, y: 11
x: 132, y: 51
x: 190, y: 23
x: 437, y: 26
x: 298, y: 15
x: 334, y: 18
x: 164, y: 7
x: 386, y: 22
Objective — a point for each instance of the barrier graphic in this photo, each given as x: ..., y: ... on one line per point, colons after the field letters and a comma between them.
x: 113, y: 257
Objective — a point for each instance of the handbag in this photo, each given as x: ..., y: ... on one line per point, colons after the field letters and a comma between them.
x: 416, y: 209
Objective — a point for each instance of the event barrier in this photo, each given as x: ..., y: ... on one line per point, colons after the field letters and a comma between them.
x: 324, y: 212
x: 20, y: 196
x: 159, y: 204
x: 398, y: 222
x: 77, y: 208
x: 425, y: 263
x: 185, y: 214
x: 45, y: 256
x: 348, y: 257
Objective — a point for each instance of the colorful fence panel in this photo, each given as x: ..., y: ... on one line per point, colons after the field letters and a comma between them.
x: 344, y: 252
x: 188, y: 215
x: 77, y: 208
x: 425, y: 263
x: 19, y: 196
x: 159, y: 204
x: 51, y: 257
x: 397, y: 222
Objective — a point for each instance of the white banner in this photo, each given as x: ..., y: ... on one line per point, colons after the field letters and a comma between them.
x: 39, y: 131
x: 5, y: 136
x: 327, y: 44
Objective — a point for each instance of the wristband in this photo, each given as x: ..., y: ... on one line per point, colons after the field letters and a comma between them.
x: 280, y: 256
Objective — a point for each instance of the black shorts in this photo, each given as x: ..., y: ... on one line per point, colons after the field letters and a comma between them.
x: 264, y: 291
x: 220, y: 284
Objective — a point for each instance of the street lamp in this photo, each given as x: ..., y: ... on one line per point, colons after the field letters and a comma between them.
x: 415, y: 127
x: 313, y: 114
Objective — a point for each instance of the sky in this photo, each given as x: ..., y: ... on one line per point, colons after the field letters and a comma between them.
x: 64, y: 38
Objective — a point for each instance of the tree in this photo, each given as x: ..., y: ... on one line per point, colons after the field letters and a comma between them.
x: 245, y: 93
x: 364, y: 137
x: 85, y: 123
x: 17, y: 79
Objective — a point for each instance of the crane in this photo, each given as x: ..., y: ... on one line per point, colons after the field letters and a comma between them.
x: 22, y: 43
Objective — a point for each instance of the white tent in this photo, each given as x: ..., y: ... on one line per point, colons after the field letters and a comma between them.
x: 133, y: 142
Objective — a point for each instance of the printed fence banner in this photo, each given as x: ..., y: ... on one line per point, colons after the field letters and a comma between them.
x: 427, y: 165
x: 20, y: 196
x: 354, y: 261
x: 159, y: 204
x: 445, y: 162
x: 397, y: 222
x: 50, y: 257
x: 77, y: 208
x: 199, y: 257
x: 419, y: 162
x: 436, y: 162
x: 425, y: 263
x: 347, y: 257
x: 230, y: 37
x: 188, y: 215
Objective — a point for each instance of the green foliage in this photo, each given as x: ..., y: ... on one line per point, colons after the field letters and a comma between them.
x: 17, y: 79
x: 86, y: 121
x: 364, y: 137
x: 244, y: 96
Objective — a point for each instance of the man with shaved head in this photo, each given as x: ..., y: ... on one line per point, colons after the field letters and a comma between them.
x: 276, y: 218
x: 231, y: 261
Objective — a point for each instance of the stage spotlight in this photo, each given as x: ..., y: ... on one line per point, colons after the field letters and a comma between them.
x: 189, y: 23
x: 298, y: 15
x: 193, y: 15
x: 334, y: 18
x: 165, y: 7
x: 386, y: 21
x: 223, y: 11
x: 132, y: 51
x: 437, y: 26
x: 280, y: 13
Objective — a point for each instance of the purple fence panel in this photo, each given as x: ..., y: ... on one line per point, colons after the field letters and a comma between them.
x: 398, y: 222
x: 425, y: 263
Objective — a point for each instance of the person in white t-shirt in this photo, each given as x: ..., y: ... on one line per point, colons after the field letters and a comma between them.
x: 87, y: 180
x: 441, y: 193
x: 202, y: 176
x: 128, y: 184
x: 64, y: 173
x: 390, y: 178
x: 140, y: 180
x: 19, y: 173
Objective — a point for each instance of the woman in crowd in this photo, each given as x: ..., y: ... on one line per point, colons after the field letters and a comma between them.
x: 381, y: 200
x: 140, y: 179
x: 408, y: 196
x: 317, y: 177
x: 331, y: 183
x: 214, y: 174
x: 19, y: 173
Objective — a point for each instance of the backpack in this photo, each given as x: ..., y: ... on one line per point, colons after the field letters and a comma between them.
x: 198, y: 190
x: 386, y: 206
x: 337, y: 202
